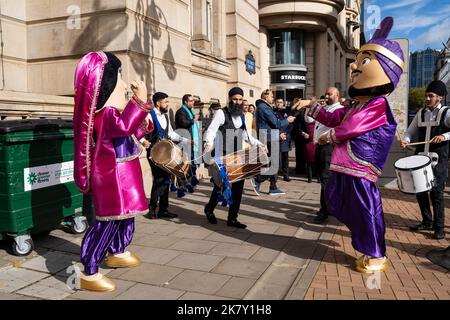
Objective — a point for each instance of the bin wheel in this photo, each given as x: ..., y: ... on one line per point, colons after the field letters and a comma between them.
x: 24, y: 249
x: 78, y: 227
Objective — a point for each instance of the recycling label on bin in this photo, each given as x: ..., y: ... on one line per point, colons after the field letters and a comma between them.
x: 46, y: 176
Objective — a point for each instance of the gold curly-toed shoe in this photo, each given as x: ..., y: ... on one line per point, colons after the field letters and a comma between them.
x: 97, y: 282
x: 367, y: 264
x: 123, y: 260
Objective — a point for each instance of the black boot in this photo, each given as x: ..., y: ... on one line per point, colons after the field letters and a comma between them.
x: 210, y: 216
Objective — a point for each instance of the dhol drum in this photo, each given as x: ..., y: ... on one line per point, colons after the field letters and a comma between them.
x: 240, y: 165
x: 168, y: 156
x: 414, y: 174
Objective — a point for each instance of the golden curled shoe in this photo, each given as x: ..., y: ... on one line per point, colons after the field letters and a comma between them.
x: 98, y: 283
x: 372, y: 265
x: 359, y: 263
x: 124, y: 260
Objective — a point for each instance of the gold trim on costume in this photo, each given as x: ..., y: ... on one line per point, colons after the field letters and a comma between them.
x: 92, y: 113
x: 348, y: 170
x: 141, y: 104
x: 121, y: 217
x: 385, y: 52
x: 135, y: 155
x: 360, y: 161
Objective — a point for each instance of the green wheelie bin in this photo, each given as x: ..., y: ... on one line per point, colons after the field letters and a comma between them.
x: 37, y: 192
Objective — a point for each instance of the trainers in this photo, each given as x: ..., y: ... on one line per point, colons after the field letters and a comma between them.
x: 236, y: 224
x: 211, y: 217
x: 256, y: 185
x: 276, y: 192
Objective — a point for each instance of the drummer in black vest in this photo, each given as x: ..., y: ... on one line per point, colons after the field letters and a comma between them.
x: 161, y: 178
x: 436, y: 117
x: 229, y: 118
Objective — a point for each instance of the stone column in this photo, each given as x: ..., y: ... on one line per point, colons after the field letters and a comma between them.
x: 320, y: 62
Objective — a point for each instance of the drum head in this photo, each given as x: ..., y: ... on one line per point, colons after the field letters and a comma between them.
x: 412, y: 162
x: 161, y: 152
x: 213, y: 171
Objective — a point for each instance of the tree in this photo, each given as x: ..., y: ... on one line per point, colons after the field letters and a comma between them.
x: 416, y: 98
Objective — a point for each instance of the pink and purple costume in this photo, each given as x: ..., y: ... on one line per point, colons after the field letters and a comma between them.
x: 362, y: 138
x: 106, y: 162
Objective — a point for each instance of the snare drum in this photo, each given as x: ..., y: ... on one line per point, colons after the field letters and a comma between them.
x: 414, y: 174
x: 168, y: 156
x: 240, y: 165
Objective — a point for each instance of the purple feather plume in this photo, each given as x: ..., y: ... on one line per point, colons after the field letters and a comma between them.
x: 384, y: 28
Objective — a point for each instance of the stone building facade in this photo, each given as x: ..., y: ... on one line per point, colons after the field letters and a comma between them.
x: 204, y: 47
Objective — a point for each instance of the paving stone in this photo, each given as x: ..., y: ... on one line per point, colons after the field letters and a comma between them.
x: 265, y: 255
x: 195, y: 261
x: 192, y: 245
x: 151, y: 274
x: 241, y: 268
x: 155, y: 241
x: 234, y: 250
x: 51, y: 262
x: 121, y: 287
x: 236, y: 288
x: 153, y: 229
x: 192, y: 233
x: 197, y: 281
x: 228, y: 237
x: 149, y: 292
x: 13, y: 279
x: 155, y: 255
x: 268, y: 241
x: 52, y: 288
x: 202, y: 297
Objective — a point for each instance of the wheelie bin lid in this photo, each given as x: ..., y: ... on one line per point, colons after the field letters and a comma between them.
x: 8, y: 126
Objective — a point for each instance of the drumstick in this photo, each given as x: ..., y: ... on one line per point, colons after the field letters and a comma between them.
x: 416, y: 143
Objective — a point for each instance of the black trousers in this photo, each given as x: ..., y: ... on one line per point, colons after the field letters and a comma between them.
x: 284, y: 163
x: 437, y: 198
x: 88, y: 208
x: 323, y: 160
x: 236, y: 190
x: 273, y: 178
x: 160, y: 188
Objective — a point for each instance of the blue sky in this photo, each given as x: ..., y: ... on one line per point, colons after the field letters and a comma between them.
x: 426, y: 23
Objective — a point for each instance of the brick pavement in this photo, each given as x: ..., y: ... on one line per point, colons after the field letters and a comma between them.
x: 411, y: 276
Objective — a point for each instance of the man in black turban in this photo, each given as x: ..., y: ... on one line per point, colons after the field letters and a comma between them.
x: 435, y: 116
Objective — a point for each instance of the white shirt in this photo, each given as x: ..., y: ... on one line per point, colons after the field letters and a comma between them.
x: 413, y: 130
x: 218, y: 120
x: 308, y: 119
x: 320, y: 129
x: 163, y: 123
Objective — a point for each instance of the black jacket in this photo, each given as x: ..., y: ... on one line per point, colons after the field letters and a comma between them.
x: 183, y: 120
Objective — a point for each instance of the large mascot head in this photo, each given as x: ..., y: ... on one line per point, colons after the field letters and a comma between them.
x: 378, y: 66
x: 96, y: 78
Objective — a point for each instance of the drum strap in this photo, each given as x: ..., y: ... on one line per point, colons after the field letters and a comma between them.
x: 244, y: 127
x: 160, y: 131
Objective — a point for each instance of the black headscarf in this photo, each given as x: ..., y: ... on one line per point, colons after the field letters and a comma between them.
x: 109, y: 80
